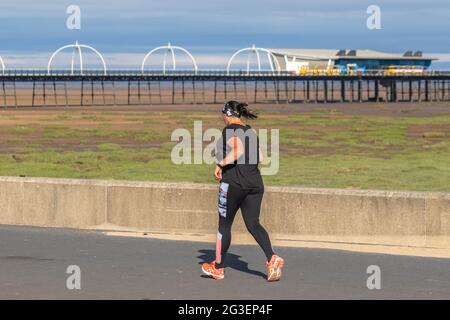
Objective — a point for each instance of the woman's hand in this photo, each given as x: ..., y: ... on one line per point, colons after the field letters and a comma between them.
x: 218, y: 173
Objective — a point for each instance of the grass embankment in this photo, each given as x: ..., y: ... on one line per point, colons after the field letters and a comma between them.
x: 316, y: 149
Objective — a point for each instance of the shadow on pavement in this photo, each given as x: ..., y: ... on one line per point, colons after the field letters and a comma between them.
x: 233, y: 261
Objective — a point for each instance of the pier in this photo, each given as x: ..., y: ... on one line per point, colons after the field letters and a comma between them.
x: 25, y: 88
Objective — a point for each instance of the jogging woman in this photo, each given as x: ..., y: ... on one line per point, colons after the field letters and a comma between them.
x: 241, y: 187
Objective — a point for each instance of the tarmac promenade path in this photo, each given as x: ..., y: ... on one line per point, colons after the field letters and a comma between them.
x: 34, y: 262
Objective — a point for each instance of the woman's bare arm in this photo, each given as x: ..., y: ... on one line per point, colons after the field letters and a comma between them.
x: 261, y: 155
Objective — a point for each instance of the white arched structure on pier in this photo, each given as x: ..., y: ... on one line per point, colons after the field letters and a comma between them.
x: 169, y: 49
x: 274, y: 65
x: 76, y: 51
x: 2, y: 65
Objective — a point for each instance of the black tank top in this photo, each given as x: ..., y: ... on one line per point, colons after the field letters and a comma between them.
x: 244, y: 171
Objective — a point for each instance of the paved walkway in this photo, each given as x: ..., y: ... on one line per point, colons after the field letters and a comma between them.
x: 33, y: 264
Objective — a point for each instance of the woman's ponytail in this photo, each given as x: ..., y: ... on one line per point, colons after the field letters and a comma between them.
x: 244, y: 112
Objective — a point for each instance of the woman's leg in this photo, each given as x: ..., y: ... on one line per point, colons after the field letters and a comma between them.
x: 230, y: 197
x: 251, y: 207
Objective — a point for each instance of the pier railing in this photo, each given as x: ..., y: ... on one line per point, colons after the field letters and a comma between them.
x: 218, y: 72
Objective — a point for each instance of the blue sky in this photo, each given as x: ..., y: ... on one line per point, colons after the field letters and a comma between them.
x: 213, y: 30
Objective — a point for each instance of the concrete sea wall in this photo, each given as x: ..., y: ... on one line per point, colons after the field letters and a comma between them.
x: 419, y: 219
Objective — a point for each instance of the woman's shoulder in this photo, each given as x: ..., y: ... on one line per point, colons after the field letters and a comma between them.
x: 235, y: 126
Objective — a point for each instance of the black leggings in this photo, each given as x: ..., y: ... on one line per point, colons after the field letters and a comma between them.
x: 231, y: 198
